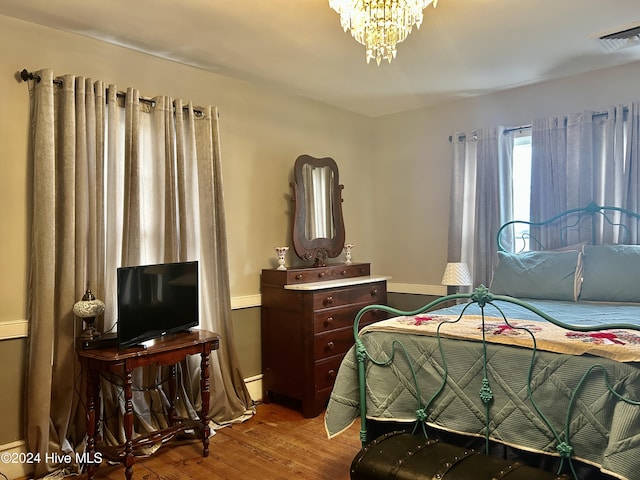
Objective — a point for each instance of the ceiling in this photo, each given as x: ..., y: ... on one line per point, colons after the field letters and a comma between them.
x: 464, y: 47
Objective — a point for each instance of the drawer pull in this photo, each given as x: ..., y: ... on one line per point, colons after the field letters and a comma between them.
x: 374, y: 292
x: 343, y: 273
x: 328, y: 322
x: 328, y: 300
x: 331, y: 346
x: 299, y: 276
x: 331, y: 374
x: 321, y: 274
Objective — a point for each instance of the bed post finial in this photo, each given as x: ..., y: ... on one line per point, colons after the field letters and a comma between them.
x: 481, y: 295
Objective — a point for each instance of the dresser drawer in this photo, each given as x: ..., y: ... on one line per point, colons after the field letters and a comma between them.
x: 330, y: 319
x: 350, y: 271
x: 320, y: 274
x: 335, y: 342
x: 364, y: 294
x: 295, y: 276
x: 325, y: 372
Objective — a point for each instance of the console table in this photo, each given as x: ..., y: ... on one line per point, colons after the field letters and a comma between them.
x: 168, y: 350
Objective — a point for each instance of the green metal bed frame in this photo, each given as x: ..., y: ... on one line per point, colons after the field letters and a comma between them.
x: 590, y: 218
x: 482, y: 297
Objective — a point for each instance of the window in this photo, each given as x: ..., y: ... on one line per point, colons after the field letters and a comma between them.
x: 521, y: 178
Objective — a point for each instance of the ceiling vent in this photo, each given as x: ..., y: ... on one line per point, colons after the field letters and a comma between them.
x: 620, y: 38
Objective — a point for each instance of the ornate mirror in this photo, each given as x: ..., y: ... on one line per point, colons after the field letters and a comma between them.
x: 318, y: 226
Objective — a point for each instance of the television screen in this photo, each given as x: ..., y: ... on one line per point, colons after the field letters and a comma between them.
x: 154, y: 300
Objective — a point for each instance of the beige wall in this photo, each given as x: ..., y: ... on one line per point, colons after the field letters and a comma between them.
x: 413, y: 153
x: 395, y: 169
x: 262, y: 134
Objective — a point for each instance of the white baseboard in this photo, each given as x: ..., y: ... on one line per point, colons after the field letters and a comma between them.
x: 10, y: 464
x: 254, y: 385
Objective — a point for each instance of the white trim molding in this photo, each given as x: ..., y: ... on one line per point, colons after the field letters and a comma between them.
x: 246, y: 301
x: 14, y: 469
x: 14, y: 329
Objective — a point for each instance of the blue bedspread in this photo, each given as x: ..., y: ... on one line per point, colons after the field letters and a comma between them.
x: 603, y: 430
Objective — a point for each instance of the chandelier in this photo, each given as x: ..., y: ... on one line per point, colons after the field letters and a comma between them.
x: 380, y: 24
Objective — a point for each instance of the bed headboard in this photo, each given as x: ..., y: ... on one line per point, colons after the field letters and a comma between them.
x: 594, y: 224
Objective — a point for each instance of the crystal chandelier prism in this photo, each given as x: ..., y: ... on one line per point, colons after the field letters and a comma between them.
x: 380, y: 24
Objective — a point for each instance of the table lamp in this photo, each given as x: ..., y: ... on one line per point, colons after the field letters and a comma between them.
x: 88, y: 309
x: 456, y: 274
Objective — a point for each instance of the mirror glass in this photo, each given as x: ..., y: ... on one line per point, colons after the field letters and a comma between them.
x: 318, y: 226
x: 318, y: 187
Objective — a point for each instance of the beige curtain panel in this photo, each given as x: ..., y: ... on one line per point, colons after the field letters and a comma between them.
x: 118, y: 180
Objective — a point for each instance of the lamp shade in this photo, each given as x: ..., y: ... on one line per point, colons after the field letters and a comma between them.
x: 89, y: 306
x: 456, y: 274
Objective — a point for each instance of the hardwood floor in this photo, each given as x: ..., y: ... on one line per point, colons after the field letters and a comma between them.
x: 275, y: 444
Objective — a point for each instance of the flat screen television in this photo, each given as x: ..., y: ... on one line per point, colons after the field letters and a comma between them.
x: 154, y: 300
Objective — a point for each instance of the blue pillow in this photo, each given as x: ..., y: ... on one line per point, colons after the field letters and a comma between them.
x: 611, y: 273
x: 547, y: 275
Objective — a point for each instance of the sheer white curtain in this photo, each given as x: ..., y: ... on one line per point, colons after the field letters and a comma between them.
x: 481, y: 198
x: 582, y: 158
x: 119, y: 181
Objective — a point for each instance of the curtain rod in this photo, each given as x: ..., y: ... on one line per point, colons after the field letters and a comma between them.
x: 463, y: 136
x: 515, y: 129
x: 522, y: 127
x: 26, y: 75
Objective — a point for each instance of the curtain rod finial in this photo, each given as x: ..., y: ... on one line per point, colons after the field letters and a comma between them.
x: 26, y: 75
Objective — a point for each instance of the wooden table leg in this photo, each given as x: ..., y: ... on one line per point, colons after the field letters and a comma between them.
x: 171, y: 414
x: 93, y: 394
x: 124, y: 363
x: 128, y: 459
x: 204, y: 391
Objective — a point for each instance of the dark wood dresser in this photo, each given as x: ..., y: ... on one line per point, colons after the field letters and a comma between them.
x: 307, y: 327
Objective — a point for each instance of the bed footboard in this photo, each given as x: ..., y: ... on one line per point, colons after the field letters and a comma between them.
x: 562, y: 426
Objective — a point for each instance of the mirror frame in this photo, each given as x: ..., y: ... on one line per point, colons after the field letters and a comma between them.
x: 316, y: 250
